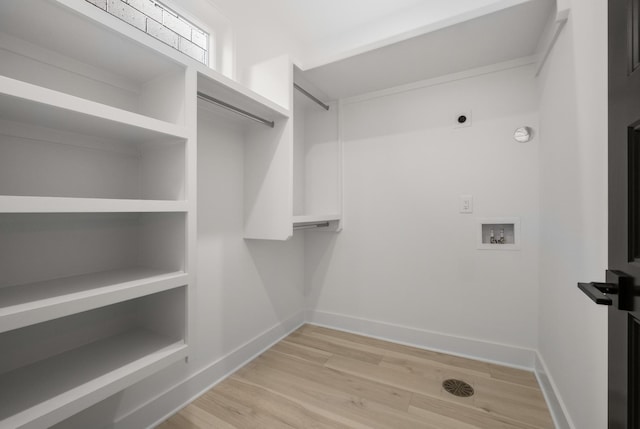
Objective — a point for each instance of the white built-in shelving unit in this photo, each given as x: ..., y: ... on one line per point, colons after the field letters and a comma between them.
x: 37, y: 392
x: 99, y: 126
x: 267, y: 180
x: 96, y: 209
x: 317, y: 182
x: 293, y: 170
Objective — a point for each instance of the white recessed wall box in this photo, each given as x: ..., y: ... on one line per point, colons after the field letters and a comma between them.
x: 499, y: 233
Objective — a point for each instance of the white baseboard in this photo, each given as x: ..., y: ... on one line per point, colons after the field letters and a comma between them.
x: 554, y: 401
x: 172, y: 400
x: 501, y: 354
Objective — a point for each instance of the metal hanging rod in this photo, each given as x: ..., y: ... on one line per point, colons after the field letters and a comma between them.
x: 311, y: 96
x: 239, y: 111
x: 310, y: 225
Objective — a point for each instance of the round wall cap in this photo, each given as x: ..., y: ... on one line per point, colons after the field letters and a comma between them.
x: 522, y: 134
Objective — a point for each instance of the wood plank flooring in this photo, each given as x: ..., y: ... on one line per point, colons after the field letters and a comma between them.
x: 326, y: 379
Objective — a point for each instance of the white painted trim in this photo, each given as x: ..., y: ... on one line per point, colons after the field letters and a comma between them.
x: 486, y: 351
x: 550, y: 391
x: 441, y: 80
x: 206, y: 378
x: 341, y: 175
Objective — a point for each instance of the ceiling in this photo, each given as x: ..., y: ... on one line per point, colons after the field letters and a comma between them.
x: 350, y: 47
x: 330, y: 30
x: 312, y: 21
x: 478, y: 38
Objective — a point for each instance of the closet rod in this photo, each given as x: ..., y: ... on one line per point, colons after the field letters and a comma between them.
x: 311, y: 96
x: 310, y: 226
x: 239, y: 111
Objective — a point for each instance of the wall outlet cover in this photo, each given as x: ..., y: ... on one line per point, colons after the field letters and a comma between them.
x: 466, y: 204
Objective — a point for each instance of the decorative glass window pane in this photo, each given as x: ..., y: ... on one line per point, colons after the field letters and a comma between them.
x: 161, y: 23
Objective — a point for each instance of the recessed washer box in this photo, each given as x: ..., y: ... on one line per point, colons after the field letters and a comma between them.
x: 499, y: 233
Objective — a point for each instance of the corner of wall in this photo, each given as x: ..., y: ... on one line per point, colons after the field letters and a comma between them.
x: 501, y: 354
x: 549, y: 390
x: 272, y: 79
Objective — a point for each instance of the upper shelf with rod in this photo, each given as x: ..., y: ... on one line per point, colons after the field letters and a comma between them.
x: 312, y: 97
x: 317, y: 183
x: 217, y: 89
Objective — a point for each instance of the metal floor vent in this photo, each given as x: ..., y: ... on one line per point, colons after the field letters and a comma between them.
x: 458, y: 388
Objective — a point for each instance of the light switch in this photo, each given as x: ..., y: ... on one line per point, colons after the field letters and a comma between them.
x: 466, y: 204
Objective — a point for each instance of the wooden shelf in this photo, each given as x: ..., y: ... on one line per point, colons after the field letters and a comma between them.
x: 20, y: 204
x: 47, y: 392
x: 32, y: 104
x: 28, y: 304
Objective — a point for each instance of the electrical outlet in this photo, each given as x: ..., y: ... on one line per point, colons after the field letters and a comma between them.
x: 466, y: 204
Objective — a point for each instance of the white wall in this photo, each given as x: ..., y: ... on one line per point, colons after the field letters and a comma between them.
x: 256, y: 37
x: 406, y: 256
x: 244, y: 34
x: 573, y: 190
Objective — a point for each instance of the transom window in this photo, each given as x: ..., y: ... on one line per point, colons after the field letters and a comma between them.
x: 162, y: 23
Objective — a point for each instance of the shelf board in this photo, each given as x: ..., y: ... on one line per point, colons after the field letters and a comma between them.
x: 20, y: 204
x: 221, y: 87
x: 316, y: 218
x: 28, y: 304
x: 72, y: 28
x: 49, y: 391
x: 32, y: 104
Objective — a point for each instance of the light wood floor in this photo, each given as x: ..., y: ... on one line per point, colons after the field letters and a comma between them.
x: 326, y: 379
